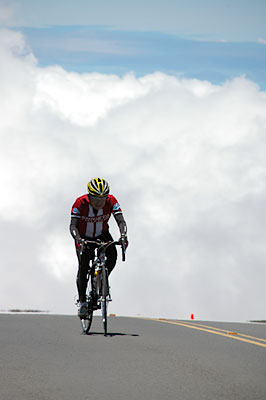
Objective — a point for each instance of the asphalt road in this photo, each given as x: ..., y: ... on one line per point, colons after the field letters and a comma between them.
x: 45, y: 357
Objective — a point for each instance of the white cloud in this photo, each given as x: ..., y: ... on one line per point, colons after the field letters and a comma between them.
x: 186, y: 160
x: 84, y: 99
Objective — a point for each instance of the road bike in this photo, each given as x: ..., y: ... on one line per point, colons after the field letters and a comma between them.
x: 98, y: 293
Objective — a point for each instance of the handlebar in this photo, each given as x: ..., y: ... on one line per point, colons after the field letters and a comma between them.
x: 100, y: 244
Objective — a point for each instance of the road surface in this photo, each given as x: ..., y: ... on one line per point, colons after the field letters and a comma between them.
x: 45, y: 357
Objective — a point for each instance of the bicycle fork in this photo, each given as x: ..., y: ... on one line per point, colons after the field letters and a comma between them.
x: 101, y: 283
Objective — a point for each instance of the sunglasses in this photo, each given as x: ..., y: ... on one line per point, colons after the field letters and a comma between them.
x: 97, y: 197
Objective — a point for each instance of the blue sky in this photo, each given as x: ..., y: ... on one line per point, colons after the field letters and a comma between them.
x: 238, y: 20
x: 208, y: 40
x: 100, y: 49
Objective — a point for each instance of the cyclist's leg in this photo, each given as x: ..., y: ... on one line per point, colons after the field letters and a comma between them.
x: 111, y: 253
x: 111, y: 257
x: 82, y: 274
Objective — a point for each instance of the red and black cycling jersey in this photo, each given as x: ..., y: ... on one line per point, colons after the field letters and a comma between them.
x: 92, y: 223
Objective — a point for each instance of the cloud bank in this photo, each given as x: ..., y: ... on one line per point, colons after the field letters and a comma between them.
x: 186, y: 160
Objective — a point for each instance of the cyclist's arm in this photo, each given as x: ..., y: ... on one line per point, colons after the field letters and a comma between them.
x: 74, y: 228
x: 121, y: 223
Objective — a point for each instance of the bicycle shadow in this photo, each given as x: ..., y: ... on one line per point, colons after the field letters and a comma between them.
x: 111, y: 334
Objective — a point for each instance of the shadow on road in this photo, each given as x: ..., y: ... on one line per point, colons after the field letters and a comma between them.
x: 111, y: 334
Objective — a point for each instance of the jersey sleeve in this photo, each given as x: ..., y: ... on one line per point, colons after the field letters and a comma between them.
x: 75, y: 211
x: 116, y: 209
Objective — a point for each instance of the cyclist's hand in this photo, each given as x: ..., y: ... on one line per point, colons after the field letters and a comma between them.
x: 80, y: 243
x: 123, y: 239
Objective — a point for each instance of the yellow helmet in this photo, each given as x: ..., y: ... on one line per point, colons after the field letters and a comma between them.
x: 98, y: 187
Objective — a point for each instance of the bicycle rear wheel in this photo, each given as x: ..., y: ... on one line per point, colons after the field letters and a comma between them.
x: 104, y: 301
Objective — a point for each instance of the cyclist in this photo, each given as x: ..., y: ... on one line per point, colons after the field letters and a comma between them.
x: 89, y: 220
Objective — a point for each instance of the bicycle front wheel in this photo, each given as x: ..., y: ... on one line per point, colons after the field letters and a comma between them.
x: 104, y: 301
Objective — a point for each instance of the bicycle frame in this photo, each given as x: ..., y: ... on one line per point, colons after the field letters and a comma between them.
x: 98, y: 277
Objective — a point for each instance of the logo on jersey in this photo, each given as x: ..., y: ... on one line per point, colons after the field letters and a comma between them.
x: 100, y: 218
x: 116, y: 207
x: 76, y: 211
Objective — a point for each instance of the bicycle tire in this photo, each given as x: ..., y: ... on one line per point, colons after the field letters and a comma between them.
x: 104, y: 301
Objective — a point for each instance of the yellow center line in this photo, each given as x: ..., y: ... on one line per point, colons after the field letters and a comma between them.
x: 204, y: 328
x: 229, y: 332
